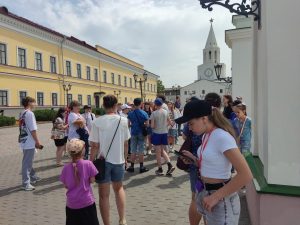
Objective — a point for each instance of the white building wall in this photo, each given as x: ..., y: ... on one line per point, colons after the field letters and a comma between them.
x: 278, y: 92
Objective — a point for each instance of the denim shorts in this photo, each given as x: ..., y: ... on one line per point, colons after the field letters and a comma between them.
x: 137, y: 144
x: 113, y: 173
x: 172, y: 132
x: 227, y: 211
x: 159, y: 139
x: 193, y: 179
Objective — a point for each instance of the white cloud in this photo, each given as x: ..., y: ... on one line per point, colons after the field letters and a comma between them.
x: 166, y: 36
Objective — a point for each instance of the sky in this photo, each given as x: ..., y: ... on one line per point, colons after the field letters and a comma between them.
x: 166, y: 36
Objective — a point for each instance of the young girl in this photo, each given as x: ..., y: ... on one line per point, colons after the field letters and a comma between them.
x: 242, y: 126
x: 217, y: 198
x: 77, y: 177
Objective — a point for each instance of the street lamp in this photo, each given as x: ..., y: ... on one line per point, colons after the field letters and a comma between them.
x: 218, y: 71
x: 141, y: 81
x: 117, y: 93
x: 67, y: 88
x: 245, y: 7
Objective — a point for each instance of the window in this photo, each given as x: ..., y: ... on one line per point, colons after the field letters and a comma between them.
x: 216, y: 56
x: 125, y: 100
x: 40, y: 98
x: 203, y: 92
x: 69, y: 99
x: 209, y: 54
x: 22, y: 95
x: 104, y: 77
x: 151, y: 87
x: 3, y: 98
x: 52, y: 64
x: 119, y: 80
x: 185, y: 92
x: 54, y: 99
x: 130, y: 82
x: 154, y: 88
x: 96, y: 75
x: 89, y: 100
x: 80, y: 99
x: 78, y: 70
x: 88, y: 73
x: 68, y: 68
x: 148, y: 86
x: 38, y: 61
x: 22, y: 57
x: 3, y: 53
x: 112, y: 78
x: 125, y: 81
x: 221, y: 91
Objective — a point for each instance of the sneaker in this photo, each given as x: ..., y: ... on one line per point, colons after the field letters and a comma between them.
x: 130, y: 169
x: 170, y: 170
x: 143, y: 169
x: 149, y: 152
x: 159, y: 172
x: 34, y: 181
x: 29, y: 187
x: 122, y: 222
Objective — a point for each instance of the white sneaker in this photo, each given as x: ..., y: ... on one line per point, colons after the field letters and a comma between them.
x: 29, y: 187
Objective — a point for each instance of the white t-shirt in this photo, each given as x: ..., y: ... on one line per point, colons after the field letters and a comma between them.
x: 214, y: 162
x: 72, y: 128
x: 103, y: 130
x: 160, y: 118
x: 30, y: 123
x: 89, y: 117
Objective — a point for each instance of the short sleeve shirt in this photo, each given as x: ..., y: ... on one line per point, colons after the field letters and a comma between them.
x: 72, y: 128
x: 79, y: 195
x: 30, y: 124
x: 137, y: 118
x: 103, y: 129
x: 160, y: 118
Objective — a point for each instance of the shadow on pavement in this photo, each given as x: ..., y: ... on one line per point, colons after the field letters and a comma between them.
x: 43, y: 168
x: 48, y: 189
x: 175, y: 182
x: 11, y: 190
x: 140, y: 181
x: 42, y: 160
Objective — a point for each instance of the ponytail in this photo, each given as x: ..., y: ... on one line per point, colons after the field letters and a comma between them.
x: 75, y: 169
x: 220, y: 121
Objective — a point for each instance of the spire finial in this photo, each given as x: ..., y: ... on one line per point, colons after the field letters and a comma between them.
x: 211, y: 20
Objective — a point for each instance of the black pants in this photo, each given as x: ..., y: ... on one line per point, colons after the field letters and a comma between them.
x: 84, y: 216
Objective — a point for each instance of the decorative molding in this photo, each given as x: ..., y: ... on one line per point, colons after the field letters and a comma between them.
x: 240, y: 33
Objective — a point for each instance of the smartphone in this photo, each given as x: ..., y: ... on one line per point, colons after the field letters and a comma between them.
x: 180, y: 154
x: 41, y: 147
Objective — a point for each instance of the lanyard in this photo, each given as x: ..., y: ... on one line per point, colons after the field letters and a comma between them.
x: 202, y: 148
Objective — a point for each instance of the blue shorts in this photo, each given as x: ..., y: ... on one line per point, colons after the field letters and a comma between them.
x: 137, y: 144
x: 159, y: 139
x: 113, y: 173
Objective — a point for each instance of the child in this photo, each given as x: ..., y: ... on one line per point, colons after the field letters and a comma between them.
x: 242, y: 126
x: 77, y: 177
x: 84, y: 135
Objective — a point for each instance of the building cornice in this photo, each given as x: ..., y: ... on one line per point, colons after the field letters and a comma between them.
x: 59, y: 39
x: 235, y: 34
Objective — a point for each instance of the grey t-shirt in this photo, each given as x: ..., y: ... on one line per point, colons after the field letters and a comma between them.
x: 160, y: 118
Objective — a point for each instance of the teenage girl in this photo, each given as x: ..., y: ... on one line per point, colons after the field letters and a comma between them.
x: 77, y: 177
x: 242, y: 126
x: 217, y: 198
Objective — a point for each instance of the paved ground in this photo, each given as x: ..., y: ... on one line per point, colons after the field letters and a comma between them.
x: 151, y: 200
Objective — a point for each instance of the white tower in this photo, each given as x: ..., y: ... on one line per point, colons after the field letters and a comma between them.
x: 211, y: 57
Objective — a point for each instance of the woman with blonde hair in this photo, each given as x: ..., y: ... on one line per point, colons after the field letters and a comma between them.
x: 217, y: 198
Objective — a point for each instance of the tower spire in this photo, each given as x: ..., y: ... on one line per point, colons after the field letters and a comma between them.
x: 211, y: 39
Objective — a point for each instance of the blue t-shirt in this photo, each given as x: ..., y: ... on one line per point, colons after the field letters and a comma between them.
x: 137, y: 118
x: 196, y: 141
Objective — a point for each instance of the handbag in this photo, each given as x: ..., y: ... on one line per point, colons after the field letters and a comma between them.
x: 187, y: 145
x: 57, y: 133
x: 144, y: 128
x: 100, y: 162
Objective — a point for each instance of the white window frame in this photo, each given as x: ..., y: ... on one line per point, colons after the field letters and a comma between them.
x: 94, y: 69
x: 20, y: 95
x: 90, y: 72
x: 56, y: 68
x: 80, y: 71
x: 57, y: 94
x: 65, y: 66
x: 8, y: 96
x: 36, y: 97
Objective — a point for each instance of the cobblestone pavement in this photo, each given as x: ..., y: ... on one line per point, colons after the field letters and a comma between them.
x: 151, y: 200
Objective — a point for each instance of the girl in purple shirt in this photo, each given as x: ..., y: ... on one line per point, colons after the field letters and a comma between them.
x: 77, y: 177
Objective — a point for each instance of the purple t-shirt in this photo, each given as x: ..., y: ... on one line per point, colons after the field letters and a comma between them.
x: 79, y: 195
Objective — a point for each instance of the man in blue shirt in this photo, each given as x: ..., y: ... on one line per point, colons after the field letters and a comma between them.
x: 137, y: 120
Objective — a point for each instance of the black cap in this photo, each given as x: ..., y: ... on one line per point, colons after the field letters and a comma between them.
x: 87, y: 107
x: 194, y: 109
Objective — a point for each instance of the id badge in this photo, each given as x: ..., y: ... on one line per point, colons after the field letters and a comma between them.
x: 199, y: 186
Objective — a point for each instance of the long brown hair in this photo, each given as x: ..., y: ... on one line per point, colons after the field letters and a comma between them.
x: 220, y: 121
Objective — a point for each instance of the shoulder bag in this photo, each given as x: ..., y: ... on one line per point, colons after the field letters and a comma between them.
x: 100, y: 162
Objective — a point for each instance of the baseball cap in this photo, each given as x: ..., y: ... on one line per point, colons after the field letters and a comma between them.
x: 158, y: 102
x: 194, y: 109
x: 125, y: 106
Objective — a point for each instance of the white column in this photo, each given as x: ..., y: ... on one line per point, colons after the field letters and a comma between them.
x: 277, y: 84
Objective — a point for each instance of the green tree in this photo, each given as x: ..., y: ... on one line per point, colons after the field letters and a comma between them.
x: 160, y: 87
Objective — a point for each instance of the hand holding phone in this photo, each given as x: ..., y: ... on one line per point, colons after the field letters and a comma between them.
x: 183, y: 156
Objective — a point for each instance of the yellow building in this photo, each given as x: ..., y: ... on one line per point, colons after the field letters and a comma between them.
x: 39, y: 62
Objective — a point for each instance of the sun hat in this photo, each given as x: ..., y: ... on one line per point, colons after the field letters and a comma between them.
x: 194, y: 109
x: 75, y: 146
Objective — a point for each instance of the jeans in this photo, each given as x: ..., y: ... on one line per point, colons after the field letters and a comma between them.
x: 28, y: 173
x: 227, y: 211
x: 113, y: 173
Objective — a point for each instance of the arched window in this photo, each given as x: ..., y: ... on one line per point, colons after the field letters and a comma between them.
x: 209, y: 54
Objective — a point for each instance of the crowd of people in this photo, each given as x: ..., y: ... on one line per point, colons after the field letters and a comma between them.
x: 102, y: 149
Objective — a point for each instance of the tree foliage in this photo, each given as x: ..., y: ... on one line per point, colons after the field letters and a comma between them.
x: 160, y: 87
